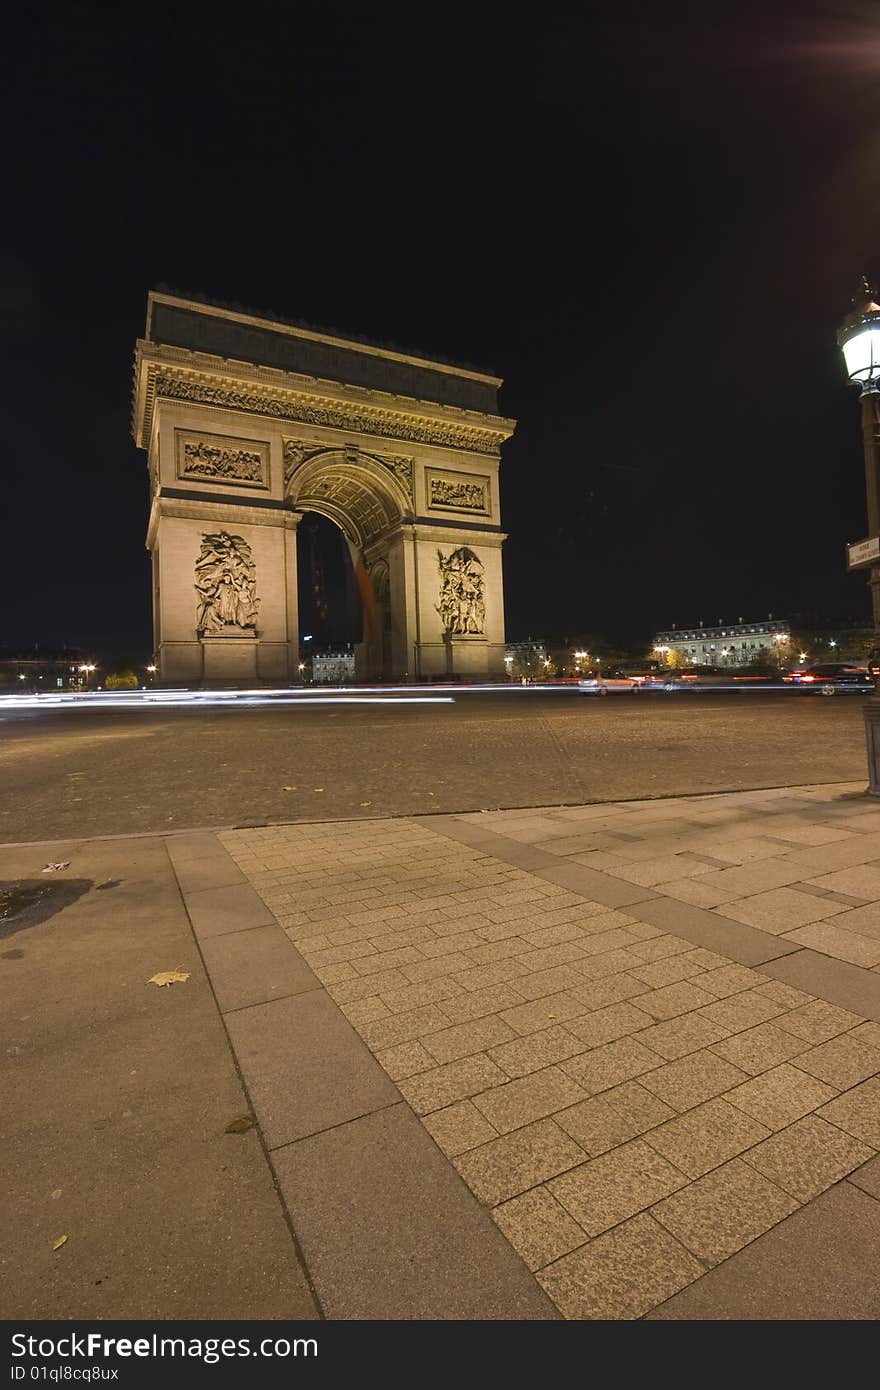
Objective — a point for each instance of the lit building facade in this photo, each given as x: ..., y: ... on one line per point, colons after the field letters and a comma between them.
x: 727, y: 644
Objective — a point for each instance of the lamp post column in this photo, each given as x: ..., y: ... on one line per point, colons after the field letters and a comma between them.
x: 871, y: 439
x: 870, y: 404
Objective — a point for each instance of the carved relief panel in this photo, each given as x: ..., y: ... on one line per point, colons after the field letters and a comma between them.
x: 222, y: 459
x: 226, y: 583
x: 462, y: 605
x: 458, y: 492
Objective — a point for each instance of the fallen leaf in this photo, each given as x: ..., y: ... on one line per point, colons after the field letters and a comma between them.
x: 289, y: 789
x: 62, y: 1240
x: 366, y: 803
x: 169, y: 977
x: 318, y: 789
x: 241, y: 1125
x: 56, y: 1194
x: 54, y: 868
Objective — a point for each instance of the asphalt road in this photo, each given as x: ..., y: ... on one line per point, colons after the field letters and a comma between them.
x: 93, y: 771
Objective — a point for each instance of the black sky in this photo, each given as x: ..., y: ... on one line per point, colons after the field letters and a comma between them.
x: 648, y: 218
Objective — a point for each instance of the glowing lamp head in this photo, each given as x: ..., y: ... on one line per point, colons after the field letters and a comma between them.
x: 859, y: 339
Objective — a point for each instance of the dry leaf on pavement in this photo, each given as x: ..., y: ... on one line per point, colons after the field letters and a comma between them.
x: 169, y: 977
x: 366, y: 803
x: 289, y: 789
x: 319, y: 789
x: 62, y: 1240
x: 54, y: 868
x: 241, y: 1125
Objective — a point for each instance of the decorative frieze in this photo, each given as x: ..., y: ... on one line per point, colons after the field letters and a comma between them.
x: 462, y: 605
x: 240, y: 462
x: 315, y: 410
x: 299, y: 451
x: 226, y: 583
x: 458, y: 492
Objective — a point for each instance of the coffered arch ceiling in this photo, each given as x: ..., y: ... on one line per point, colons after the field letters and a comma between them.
x: 356, y: 492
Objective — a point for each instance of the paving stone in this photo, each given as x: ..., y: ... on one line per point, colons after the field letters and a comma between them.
x: 605, y: 1025
x: 817, y: 1021
x: 857, y: 1112
x: 780, y: 910
x: 613, y: 989
x: 663, y: 946
x: 463, y: 1039
x: 867, y: 1033
x: 615, y: 1186
x: 760, y: 1048
x: 741, y: 1011
x: 867, y: 1177
x: 692, y: 1079
x: 833, y: 940
x: 858, y: 881
x: 397, y: 1028
x: 542, y: 1013
x: 723, y: 1211
x: 679, y: 1036
x: 214, y: 911
x: 529, y: 1098
x: 705, y: 1137
x: 305, y: 1067
x: 819, y: 1263
x: 251, y: 967
x: 730, y: 979
x: 432, y: 1090
x: 669, y: 971
x: 779, y: 1097
x: 611, y: 1064
x: 404, y: 1060
x: 389, y: 1232
x: 558, y: 980
x: 615, y: 1117
x: 364, y: 1011
x: 621, y: 1275
x: 808, y: 1157
x: 673, y: 1000
x: 835, y: 981
x: 864, y: 921
x: 504, y: 1167
x: 608, y: 963
x: 783, y: 994
x: 538, y: 1227
x: 480, y: 1003
x: 536, y: 1050
x: 843, y: 1062
x: 458, y: 1127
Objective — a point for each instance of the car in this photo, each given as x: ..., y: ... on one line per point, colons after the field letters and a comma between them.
x: 829, y: 677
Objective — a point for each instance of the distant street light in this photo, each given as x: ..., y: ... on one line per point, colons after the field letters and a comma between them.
x: 87, y: 670
x: 859, y: 340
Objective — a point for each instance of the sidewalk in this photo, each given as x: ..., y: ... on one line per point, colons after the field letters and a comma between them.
x: 607, y: 1061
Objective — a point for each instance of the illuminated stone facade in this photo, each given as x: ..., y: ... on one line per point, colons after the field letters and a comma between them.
x: 248, y: 423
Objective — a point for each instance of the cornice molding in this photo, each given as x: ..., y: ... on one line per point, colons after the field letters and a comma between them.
x: 172, y: 374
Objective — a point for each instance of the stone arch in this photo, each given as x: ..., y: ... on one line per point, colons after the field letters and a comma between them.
x: 367, y: 497
x: 357, y: 491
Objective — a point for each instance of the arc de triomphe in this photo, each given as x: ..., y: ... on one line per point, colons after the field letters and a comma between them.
x: 247, y: 424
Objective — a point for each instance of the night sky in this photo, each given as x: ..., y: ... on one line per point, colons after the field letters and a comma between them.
x: 649, y: 219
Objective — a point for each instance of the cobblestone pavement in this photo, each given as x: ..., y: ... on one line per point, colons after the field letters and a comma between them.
x: 644, y: 1033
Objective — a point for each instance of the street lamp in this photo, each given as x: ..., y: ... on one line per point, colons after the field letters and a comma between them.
x: 87, y: 670
x: 859, y: 340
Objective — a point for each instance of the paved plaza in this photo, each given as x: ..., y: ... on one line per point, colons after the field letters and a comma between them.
x: 604, y: 1062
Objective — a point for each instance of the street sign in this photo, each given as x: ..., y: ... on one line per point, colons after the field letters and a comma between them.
x: 863, y: 553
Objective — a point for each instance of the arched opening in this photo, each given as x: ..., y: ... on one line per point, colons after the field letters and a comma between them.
x: 329, y: 603
x: 348, y: 593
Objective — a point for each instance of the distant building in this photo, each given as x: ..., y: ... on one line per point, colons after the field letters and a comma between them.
x: 44, y: 671
x: 333, y: 668
x: 728, y: 644
x: 529, y: 659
